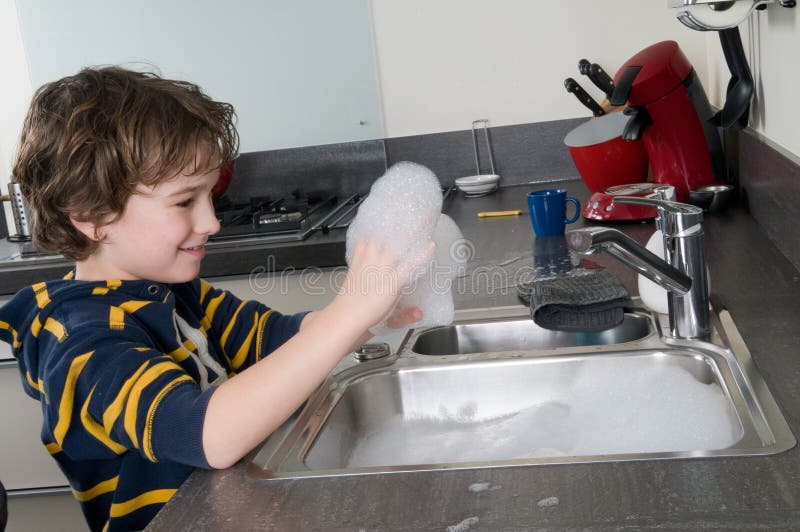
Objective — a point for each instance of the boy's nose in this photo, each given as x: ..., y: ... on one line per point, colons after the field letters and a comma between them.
x: 207, y: 223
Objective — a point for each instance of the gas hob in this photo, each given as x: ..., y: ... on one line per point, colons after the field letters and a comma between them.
x: 290, y: 218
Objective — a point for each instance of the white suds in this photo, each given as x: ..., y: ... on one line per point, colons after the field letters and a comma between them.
x: 547, y: 502
x: 466, y: 524
x: 403, y: 213
x: 478, y: 487
x: 610, y: 406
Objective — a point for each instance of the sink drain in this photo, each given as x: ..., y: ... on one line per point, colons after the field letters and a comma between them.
x: 372, y: 351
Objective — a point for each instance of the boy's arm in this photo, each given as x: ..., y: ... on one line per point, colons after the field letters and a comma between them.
x: 234, y: 424
x: 311, y: 317
x: 397, y: 320
x: 107, y: 391
x: 246, y: 330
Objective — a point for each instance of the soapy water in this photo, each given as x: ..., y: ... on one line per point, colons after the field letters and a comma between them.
x: 403, y: 213
x: 621, y: 406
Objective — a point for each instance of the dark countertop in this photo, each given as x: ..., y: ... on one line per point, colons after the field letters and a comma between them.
x: 756, y: 283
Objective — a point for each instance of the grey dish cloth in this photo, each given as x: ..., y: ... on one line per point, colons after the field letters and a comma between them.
x: 590, y: 302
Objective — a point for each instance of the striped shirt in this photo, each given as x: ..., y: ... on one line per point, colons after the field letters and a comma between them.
x: 124, y: 385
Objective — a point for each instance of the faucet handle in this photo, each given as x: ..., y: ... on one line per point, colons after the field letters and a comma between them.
x: 676, y: 219
x: 663, y: 192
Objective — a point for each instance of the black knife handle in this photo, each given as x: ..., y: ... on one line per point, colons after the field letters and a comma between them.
x: 602, y: 80
x: 572, y: 86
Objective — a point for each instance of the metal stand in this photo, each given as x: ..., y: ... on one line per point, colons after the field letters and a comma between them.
x: 485, y: 123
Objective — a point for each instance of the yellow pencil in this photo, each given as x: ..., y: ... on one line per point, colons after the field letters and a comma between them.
x: 489, y: 214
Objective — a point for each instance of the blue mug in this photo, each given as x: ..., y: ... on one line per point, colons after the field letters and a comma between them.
x: 548, y: 210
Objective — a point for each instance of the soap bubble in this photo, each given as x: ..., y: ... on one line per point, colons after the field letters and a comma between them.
x: 403, y: 213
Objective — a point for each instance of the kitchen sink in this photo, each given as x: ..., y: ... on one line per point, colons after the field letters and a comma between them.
x: 520, y: 334
x: 493, y: 390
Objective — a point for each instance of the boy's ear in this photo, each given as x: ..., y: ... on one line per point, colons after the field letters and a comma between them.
x: 91, y: 230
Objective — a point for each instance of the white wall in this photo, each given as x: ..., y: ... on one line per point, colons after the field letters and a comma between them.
x: 15, y: 92
x: 772, y: 41
x: 444, y: 63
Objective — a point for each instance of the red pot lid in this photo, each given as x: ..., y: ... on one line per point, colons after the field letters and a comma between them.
x: 597, y: 130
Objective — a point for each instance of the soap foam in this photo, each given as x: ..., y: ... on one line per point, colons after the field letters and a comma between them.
x: 659, y: 409
x: 547, y: 502
x: 464, y: 525
x: 403, y: 213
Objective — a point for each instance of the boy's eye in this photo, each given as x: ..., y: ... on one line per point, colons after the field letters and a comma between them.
x: 185, y: 203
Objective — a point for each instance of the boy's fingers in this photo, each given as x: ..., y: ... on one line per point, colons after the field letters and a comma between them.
x: 404, y: 317
x: 429, y: 252
x: 418, y: 263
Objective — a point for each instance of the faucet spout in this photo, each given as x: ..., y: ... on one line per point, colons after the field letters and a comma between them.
x: 683, y: 274
x: 589, y: 240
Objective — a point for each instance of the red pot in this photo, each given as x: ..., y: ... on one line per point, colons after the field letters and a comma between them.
x: 603, y: 158
x: 225, y: 176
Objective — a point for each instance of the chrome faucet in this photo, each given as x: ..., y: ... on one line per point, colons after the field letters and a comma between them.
x: 683, y: 271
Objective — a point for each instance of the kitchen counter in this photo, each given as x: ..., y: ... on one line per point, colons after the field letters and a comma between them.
x: 755, y: 282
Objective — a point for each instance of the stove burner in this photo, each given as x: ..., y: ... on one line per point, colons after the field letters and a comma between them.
x: 264, y: 215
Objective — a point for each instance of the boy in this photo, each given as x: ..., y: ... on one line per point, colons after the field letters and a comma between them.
x: 144, y: 371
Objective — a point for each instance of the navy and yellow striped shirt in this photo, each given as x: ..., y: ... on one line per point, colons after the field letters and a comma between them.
x: 123, y: 392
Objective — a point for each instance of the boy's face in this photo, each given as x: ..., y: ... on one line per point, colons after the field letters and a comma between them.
x: 161, y: 235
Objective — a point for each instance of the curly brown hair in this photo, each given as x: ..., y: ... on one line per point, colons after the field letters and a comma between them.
x: 90, y: 139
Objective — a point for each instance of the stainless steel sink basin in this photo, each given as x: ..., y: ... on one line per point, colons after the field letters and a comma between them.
x: 488, y: 392
x: 520, y: 334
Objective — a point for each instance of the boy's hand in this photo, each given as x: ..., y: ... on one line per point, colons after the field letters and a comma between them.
x: 403, y: 318
x: 374, y: 283
x: 291, y: 373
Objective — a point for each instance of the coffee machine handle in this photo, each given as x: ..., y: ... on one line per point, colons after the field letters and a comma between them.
x: 638, y: 119
x: 676, y: 219
x: 622, y: 86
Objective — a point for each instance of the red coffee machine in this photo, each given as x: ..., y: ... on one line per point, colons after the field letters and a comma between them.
x: 669, y: 110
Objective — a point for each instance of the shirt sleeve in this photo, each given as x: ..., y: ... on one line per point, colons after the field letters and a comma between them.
x: 247, y: 330
x: 109, y: 392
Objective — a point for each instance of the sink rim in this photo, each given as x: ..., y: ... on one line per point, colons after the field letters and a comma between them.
x: 751, y: 399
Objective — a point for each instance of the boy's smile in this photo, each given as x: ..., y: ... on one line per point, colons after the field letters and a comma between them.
x: 196, y: 251
x: 161, y: 234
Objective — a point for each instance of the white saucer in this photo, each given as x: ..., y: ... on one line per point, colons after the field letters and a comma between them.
x: 478, y: 185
